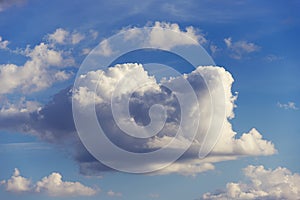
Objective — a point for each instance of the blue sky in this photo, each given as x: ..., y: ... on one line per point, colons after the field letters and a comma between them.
x: 255, y: 41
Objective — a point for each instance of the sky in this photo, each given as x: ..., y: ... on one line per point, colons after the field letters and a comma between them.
x: 236, y: 61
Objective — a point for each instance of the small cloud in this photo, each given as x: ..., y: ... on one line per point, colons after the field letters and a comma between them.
x: 52, y: 185
x: 272, y: 58
x: 114, y: 194
x: 3, y: 43
x: 240, y: 48
x: 288, y: 106
x: 62, y: 36
x: 94, y: 34
x: 214, y: 49
x: 154, y: 195
x: 275, y: 184
x: 76, y: 38
x: 85, y: 51
x: 59, y: 36
x: 17, y: 183
x: 104, y: 49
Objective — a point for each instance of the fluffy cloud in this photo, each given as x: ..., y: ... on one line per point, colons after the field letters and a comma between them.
x: 3, y: 43
x: 240, y: 48
x: 290, y: 105
x: 228, y: 146
x: 263, y: 183
x: 158, y: 35
x: 53, y: 185
x: 54, y: 121
x: 17, y: 183
x: 40, y: 71
x: 62, y: 36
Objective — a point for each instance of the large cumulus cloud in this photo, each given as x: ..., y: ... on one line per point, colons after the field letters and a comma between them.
x: 53, y: 122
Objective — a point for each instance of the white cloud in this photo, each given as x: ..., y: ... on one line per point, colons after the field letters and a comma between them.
x: 3, y: 43
x: 59, y: 36
x: 187, y: 168
x: 240, y: 48
x: 94, y: 34
x: 62, y: 36
x: 114, y: 194
x: 76, y: 38
x: 22, y: 106
x: 263, y: 184
x: 40, y: 71
x: 288, y: 106
x: 228, y: 146
x: 104, y: 49
x: 160, y: 37
x: 157, y: 35
x: 17, y: 183
x: 53, y: 185
x: 214, y: 48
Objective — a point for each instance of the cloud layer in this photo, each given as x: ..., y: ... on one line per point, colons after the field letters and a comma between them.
x: 263, y: 184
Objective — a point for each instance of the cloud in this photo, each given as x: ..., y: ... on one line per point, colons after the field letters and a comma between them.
x: 154, y: 196
x: 114, y: 194
x: 52, y: 185
x: 62, y: 36
x: 240, y: 48
x: 17, y: 183
x: 272, y: 58
x: 288, y: 106
x: 3, y: 43
x: 94, y: 34
x: 5, y: 4
x: 42, y: 69
x: 54, y: 121
x: 279, y: 183
x: 158, y: 35
x: 104, y: 49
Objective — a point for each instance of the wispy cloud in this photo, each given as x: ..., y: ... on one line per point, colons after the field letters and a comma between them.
x: 114, y: 194
x: 240, y: 48
x: 5, y: 4
x: 288, y: 106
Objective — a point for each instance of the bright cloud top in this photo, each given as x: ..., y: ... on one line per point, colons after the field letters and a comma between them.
x: 276, y: 184
x: 52, y: 185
